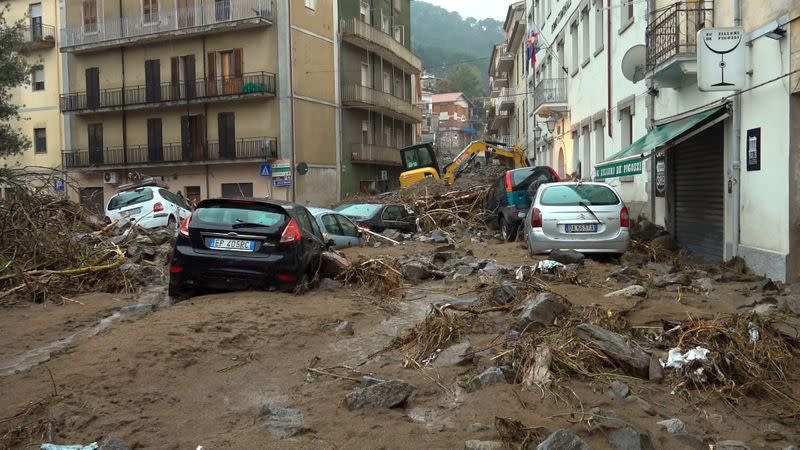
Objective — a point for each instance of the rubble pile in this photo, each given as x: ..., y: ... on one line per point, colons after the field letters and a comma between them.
x: 51, y: 248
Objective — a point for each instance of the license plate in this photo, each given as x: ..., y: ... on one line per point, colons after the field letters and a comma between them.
x: 131, y: 212
x: 235, y: 245
x: 581, y: 228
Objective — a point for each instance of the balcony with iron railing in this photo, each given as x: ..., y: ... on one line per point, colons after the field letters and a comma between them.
x: 497, y: 120
x: 39, y: 35
x: 671, y: 40
x: 374, y: 154
x: 199, y: 18
x: 362, y: 96
x: 171, y: 154
x: 362, y: 34
x: 550, y: 95
x: 505, y: 63
x: 257, y: 84
x: 506, y: 99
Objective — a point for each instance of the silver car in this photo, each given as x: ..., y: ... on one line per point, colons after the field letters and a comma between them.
x: 582, y: 216
x: 337, y: 228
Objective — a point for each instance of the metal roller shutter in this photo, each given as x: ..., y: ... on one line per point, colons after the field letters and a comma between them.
x: 699, y: 190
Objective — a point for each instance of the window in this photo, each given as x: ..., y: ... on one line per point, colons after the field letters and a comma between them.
x: 599, y: 141
x: 90, y: 16
x: 399, y: 138
x: 586, y: 159
x: 331, y: 225
x: 38, y: 80
x: 561, y: 59
x: 574, y: 34
x: 311, y: 4
x: 222, y: 10
x: 387, y: 82
x: 626, y: 127
x: 385, y: 26
x: 366, y: 79
x: 348, y: 228
x: 398, y: 34
x: 598, y: 27
x: 150, y: 11
x: 626, y: 16
x: 365, y: 14
x: 586, y: 38
x: 576, y: 162
x: 574, y: 195
x: 192, y: 193
x: 39, y: 140
x: 237, y: 190
x: 35, y: 12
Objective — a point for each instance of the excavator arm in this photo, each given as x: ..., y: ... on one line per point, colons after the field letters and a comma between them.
x: 463, y: 159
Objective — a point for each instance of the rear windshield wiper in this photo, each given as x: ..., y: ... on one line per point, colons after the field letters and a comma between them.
x: 249, y: 225
x: 583, y: 203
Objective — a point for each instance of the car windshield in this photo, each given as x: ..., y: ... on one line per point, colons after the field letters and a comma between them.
x: 363, y: 211
x: 574, y: 195
x: 130, y: 198
x: 232, y: 215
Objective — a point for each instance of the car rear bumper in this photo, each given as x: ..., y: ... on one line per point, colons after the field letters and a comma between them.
x: 193, y: 269
x: 540, y: 243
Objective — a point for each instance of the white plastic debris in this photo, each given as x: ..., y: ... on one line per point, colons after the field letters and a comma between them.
x: 92, y: 446
x: 547, y: 266
x: 519, y: 274
x: 755, y: 334
x: 676, y: 359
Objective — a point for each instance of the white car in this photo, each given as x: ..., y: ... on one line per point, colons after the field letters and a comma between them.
x: 148, y: 207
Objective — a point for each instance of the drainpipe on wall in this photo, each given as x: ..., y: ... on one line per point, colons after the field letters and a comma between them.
x: 337, y: 57
x: 291, y: 99
x: 64, y: 83
x: 650, y: 124
x: 736, y: 156
x: 608, y: 67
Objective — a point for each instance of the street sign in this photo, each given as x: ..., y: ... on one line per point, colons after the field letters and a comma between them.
x: 721, y: 56
x: 282, y: 182
x: 266, y: 170
x: 60, y: 186
x: 620, y: 169
x: 281, y: 169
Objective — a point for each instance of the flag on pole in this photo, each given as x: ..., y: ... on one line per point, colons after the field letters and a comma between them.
x: 533, y: 47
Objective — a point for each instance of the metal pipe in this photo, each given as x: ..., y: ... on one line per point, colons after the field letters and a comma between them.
x: 608, y: 66
x: 736, y: 147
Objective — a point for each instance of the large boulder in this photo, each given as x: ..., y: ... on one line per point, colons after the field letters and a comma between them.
x: 455, y: 355
x: 630, y: 291
x: 504, y: 294
x: 629, y: 438
x: 416, y: 271
x: 672, y: 278
x: 282, y: 422
x: 566, y: 257
x: 563, y: 439
x: 544, y: 308
x: 490, y: 376
x: 617, y: 347
x: 382, y: 395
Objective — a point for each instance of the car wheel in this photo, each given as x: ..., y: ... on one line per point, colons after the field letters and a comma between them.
x: 507, y: 230
x: 172, y: 224
x: 299, y: 287
x: 178, y: 293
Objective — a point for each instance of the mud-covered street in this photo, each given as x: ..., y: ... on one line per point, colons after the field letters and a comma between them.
x: 269, y: 370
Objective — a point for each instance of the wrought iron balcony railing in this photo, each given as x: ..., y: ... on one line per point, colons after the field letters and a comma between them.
x: 672, y: 30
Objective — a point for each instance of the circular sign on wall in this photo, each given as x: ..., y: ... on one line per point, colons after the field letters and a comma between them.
x: 302, y: 168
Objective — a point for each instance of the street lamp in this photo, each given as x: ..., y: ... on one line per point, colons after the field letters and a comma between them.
x: 551, y: 123
x: 537, y: 133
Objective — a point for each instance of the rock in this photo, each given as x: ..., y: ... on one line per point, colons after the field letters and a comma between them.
x: 767, y: 285
x: 659, y: 267
x: 392, y: 234
x: 137, y: 309
x: 282, y: 422
x: 791, y: 447
x: 704, y: 284
x: 645, y: 230
x: 673, y: 426
x: 630, y: 291
x: 490, y: 376
x: 690, y: 441
x: 642, y: 404
x: 563, y: 439
x: 656, y: 371
x: 628, y: 438
x: 383, y: 395
x: 566, y: 257
x: 416, y: 271
x: 544, y: 309
x: 463, y: 272
x: 731, y: 445
x: 666, y: 242
x: 438, y: 237
x: 493, y: 269
x: 616, y: 347
x: 483, y: 445
x: 478, y: 427
x: 112, y: 443
x: 367, y: 381
x: 149, y: 253
x: 455, y: 355
x: 672, y: 278
x: 766, y: 310
x: 162, y: 236
x: 329, y: 285
x: 345, y: 328
x: 619, y: 390
x: 505, y: 293
x: 443, y: 256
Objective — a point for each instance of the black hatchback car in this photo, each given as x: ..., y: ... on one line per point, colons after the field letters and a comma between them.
x: 245, y: 244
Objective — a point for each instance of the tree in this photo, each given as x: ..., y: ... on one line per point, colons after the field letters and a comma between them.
x: 467, y: 79
x: 14, y: 71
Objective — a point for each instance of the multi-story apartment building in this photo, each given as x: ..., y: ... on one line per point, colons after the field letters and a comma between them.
x: 38, y: 100
x: 455, y: 115
x: 500, y: 109
x: 203, y: 93
x: 379, y: 79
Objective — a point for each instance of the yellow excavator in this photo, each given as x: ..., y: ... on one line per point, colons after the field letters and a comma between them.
x: 419, y: 161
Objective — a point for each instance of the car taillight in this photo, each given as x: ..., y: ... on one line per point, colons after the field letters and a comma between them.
x: 158, y: 207
x: 291, y: 233
x: 509, y: 182
x: 536, y: 218
x: 555, y: 174
x: 184, y: 231
x: 624, y: 218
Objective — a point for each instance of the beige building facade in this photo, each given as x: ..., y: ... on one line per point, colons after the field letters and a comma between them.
x: 38, y: 100
x: 202, y: 93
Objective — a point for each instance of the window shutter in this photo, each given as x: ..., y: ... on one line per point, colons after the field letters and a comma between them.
x: 212, y: 73
x: 175, y: 77
x: 238, y: 62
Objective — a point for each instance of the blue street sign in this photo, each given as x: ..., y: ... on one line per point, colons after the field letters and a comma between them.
x: 266, y: 170
x: 61, y: 186
x: 282, y: 182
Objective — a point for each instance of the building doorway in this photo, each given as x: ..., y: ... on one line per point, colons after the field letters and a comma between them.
x: 562, y: 169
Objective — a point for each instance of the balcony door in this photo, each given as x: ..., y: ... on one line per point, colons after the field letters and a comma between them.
x: 226, y: 123
x: 222, y: 10
x: 225, y: 70
x: 186, y: 13
x: 35, y: 12
x: 183, y: 78
x: 193, y: 132
x: 152, y: 76
x: 95, y: 135
x: 155, y: 143
x: 93, y: 87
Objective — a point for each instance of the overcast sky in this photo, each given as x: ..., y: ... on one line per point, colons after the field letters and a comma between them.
x: 479, y: 9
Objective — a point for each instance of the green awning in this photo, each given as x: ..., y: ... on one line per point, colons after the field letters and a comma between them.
x: 629, y: 161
